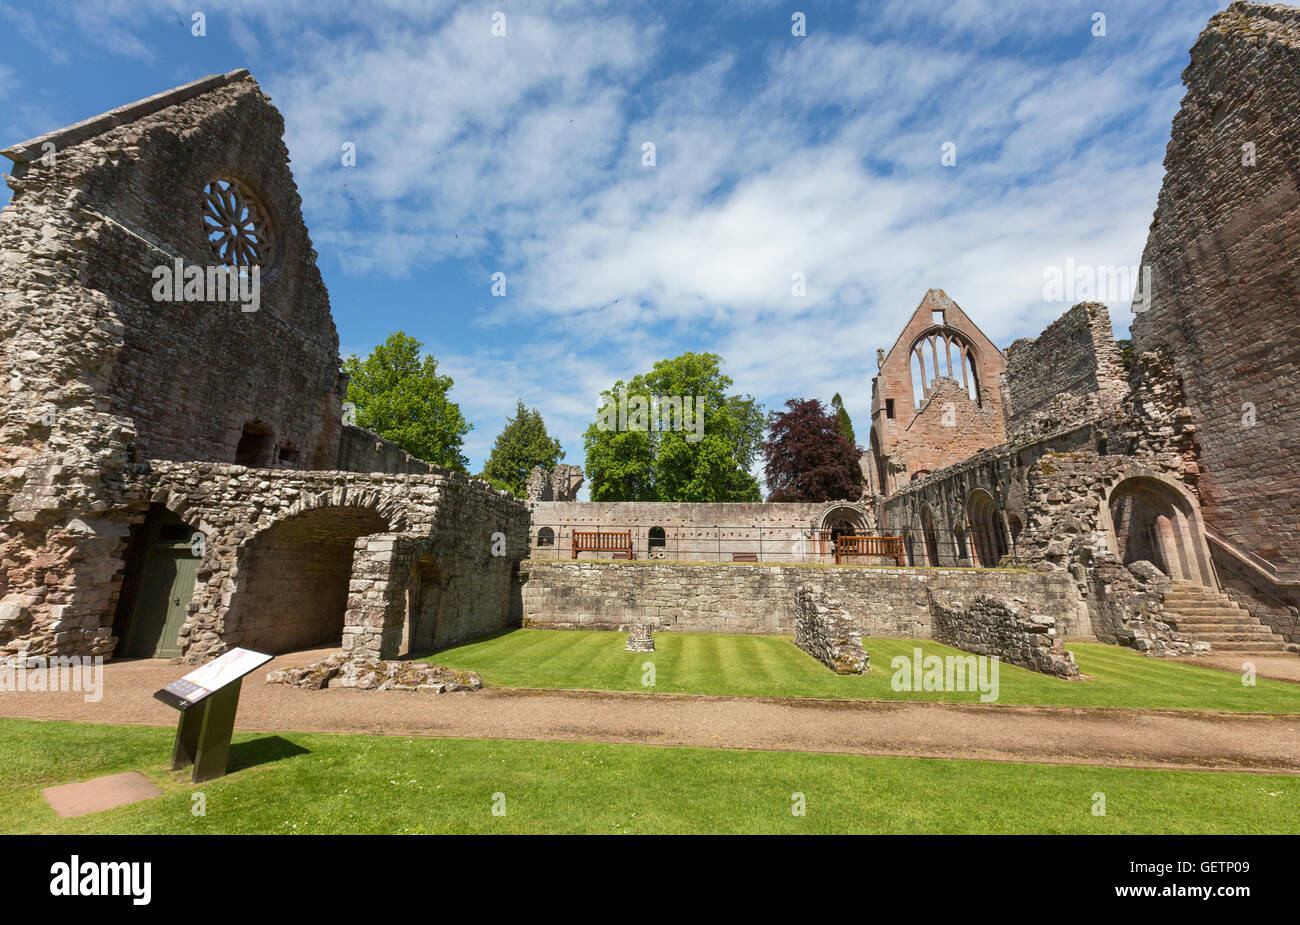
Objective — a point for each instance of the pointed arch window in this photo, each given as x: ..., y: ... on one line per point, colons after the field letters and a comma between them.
x: 941, y: 352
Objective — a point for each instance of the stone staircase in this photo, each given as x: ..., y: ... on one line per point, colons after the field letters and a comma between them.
x: 1213, y: 617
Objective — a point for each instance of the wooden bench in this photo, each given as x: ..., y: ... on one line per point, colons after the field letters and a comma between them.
x: 886, y: 546
x: 744, y: 557
x: 617, y: 543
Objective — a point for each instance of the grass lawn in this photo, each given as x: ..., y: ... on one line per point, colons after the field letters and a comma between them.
x: 771, y: 666
x: 320, y: 784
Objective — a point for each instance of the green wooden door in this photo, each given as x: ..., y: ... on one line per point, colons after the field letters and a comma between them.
x: 166, y: 586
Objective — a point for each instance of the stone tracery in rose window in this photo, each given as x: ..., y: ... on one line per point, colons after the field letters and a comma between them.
x: 236, y: 225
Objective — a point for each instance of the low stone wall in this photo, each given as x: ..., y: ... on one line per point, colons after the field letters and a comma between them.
x: 742, y: 598
x: 826, y: 631
x: 1010, y: 629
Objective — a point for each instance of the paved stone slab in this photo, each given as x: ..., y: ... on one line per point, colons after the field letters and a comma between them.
x: 95, y: 796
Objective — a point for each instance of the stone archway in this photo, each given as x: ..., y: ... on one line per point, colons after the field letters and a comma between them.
x: 1150, y: 518
x: 988, y: 532
x: 292, y: 579
x: 840, y: 520
x: 931, y: 539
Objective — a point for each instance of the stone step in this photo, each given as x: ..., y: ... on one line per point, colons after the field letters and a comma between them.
x: 1206, y: 610
x: 1196, y: 595
x: 1204, y: 594
x: 1200, y: 628
x: 1246, y: 648
x: 1217, y: 636
x: 1213, y: 616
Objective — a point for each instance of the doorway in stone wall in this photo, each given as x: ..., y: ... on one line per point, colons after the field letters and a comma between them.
x: 423, y: 599
x: 292, y: 580
x: 1157, y: 522
x: 157, y: 586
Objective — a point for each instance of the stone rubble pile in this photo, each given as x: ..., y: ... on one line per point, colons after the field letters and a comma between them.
x: 825, y: 631
x: 372, y: 674
x: 640, y: 639
x: 1005, y: 628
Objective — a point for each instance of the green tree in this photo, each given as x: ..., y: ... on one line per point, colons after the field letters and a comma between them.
x: 519, y: 447
x: 845, y: 423
x: 675, y: 434
x: 399, y: 395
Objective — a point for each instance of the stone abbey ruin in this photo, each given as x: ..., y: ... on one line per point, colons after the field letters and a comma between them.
x: 176, y: 476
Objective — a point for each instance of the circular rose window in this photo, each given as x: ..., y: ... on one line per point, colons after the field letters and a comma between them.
x: 237, y: 225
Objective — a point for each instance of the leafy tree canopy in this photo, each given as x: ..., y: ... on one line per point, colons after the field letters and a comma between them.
x: 399, y: 395
x: 808, y: 458
x: 522, y: 445
x: 842, y: 416
x: 675, y: 434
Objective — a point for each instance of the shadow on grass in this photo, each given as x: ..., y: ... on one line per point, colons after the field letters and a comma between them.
x: 429, y: 655
x: 261, y: 751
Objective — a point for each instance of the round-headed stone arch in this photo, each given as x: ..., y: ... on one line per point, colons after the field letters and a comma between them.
x: 987, y: 529
x: 841, y: 519
x: 1150, y: 516
x: 292, y: 578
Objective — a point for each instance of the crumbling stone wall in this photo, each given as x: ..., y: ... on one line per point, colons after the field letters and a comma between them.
x: 361, y: 450
x: 1007, y: 628
x: 1222, y: 252
x: 1074, y: 360
x: 824, y: 629
x: 707, y: 598
x: 1052, y: 481
x: 560, y: 484
x: 774, y: 531
x: 475, y: 535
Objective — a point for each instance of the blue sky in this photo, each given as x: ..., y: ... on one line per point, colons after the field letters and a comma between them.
x: 775, y: 155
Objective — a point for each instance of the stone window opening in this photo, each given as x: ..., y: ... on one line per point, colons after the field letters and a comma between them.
x: 943, y: 353
x: 889, y: 408
x: 288, y: 455
x: 237, y: 224
x: 256, y: 445
x: 546, y: 537
x: 657, y: 539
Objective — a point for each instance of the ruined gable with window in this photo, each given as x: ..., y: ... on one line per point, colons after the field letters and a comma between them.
x: 160, y: 307
x: 934, y: 400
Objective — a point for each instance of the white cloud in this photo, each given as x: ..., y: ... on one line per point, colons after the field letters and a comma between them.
x: 818, y: 155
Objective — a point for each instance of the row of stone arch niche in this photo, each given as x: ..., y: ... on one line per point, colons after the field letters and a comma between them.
x: 1143, y: 517
x: 986, y: 536
x: 292, y: 582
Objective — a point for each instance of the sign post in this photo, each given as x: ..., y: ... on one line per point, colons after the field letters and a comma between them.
x: 207, y: 698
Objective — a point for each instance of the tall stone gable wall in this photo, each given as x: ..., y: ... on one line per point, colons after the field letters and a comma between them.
x: 1225, y: 299
x: 114, y: 402
x: 78, y: 246
x: 948, y: 427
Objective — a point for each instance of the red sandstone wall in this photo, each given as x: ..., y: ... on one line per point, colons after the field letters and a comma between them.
x: 948, y: 427
x: 1224, y: 250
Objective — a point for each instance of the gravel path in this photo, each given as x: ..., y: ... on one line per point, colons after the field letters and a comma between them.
x: 1052, y: 735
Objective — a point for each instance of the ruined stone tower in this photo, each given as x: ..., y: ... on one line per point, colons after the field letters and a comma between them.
x: 1225, y: 295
